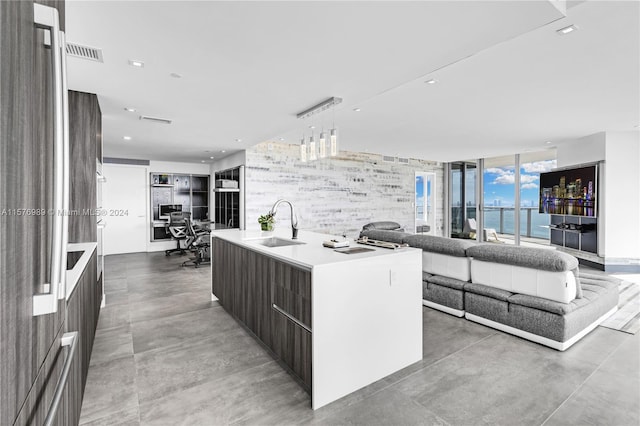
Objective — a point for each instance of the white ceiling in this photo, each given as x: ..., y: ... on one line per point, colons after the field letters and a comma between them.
x: 507, y: 82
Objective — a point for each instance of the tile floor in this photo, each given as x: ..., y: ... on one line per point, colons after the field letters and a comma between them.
x: 165, y: 354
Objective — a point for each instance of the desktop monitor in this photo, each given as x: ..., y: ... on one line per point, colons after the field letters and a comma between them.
x: 165, y: 210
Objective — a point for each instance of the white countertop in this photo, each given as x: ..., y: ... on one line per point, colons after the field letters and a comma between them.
x: 73, y: 275
x: 307, y: 255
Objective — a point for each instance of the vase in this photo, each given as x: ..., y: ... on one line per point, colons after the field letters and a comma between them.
x: 266, y: 226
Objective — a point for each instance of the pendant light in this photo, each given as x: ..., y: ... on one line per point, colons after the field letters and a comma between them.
x: 303, y: 150
x: 333, y: 140
x: 333, y: 137
x: 323, y: 145
x: 312, y: 149
x: 311, y: 152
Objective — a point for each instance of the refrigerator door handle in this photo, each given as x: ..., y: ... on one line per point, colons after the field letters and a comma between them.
x: 47, y: 18
x: 62, y: 290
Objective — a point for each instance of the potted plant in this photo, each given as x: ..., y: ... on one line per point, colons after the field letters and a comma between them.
x: 266, y: 221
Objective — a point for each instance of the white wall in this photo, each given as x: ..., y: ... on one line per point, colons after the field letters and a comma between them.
x: 588, y: 149
x: 334, y: 195
x: 229, y: 162
x: 622, y: 195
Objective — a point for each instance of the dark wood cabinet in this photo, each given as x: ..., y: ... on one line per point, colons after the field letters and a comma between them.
x: 29, y: 349
x: 271, y: 298
x: 85, y: 127
x: 81, y: 317
x: 31, y: 352
x: 291, y: 318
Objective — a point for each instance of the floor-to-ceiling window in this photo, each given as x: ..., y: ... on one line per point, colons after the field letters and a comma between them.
x: 499, y: 197
x: 510, y: 197
x: 534, y: 226
x: 462, y: 196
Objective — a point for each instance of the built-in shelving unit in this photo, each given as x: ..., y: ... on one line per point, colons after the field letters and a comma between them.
x: 229, y: 202
x: 190, y: 191
x: 575, y: 232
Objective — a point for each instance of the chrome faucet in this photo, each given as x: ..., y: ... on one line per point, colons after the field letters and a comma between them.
x: 294, y: 217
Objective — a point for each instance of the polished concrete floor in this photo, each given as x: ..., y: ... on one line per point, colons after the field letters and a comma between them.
x: 165, y: 354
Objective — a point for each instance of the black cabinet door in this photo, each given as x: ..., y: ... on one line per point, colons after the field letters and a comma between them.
x: 26, y: 173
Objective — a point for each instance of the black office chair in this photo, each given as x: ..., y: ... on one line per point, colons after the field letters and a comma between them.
x: 198, y: 243
x: 178, y: 230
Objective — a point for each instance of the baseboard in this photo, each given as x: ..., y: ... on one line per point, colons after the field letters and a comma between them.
x: 560, y: 346
x: 455, y: 312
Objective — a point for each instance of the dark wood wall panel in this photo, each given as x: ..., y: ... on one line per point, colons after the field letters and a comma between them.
x: 84, y: 128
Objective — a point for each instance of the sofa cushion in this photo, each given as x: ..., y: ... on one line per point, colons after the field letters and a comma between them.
x: 559, y: 286
x: 446, y: 265
x: 442, y: 295
x: 426, y: 276
x: 541, y: 322
x: 450, y: 246
x: 485, y: 290
x: 528, y: 257
x: 384, y: 235
x: 447, y: 282
x: 384, y: 225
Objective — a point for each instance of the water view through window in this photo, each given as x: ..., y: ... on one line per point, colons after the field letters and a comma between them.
x: 500, y: 194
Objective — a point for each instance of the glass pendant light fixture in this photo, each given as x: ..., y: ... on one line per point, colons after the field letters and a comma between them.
x: 303, y: 150
x: 311, y: 152
x: 333, y: 140
x: 323, y: 145
x: 312, y: 149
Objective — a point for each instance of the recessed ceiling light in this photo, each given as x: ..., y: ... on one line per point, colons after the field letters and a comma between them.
x: 175, y: 75
x: 126, y: 138
x: 130, y: 109
x: 548, y: 142
x: 135, y: 63
x: 283, y: 138
x: 357, y: 109
x: 432, y: 81
x: 202, y: 161
x: 567, y: 30
x: 212, y: 157
x: 223, y: 150
x: 238, y: 140
x: 312, y: 127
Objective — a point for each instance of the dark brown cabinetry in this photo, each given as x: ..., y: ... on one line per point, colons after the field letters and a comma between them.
x: 30, y: 358
x: 31, y: 352
x: 271, y: 298
x: 82, y: 316
x: 85, y: 128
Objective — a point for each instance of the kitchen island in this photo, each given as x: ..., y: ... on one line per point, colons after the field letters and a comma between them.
x: 337, y: 321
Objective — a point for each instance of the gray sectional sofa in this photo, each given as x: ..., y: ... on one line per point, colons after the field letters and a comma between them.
x: 535, y: 293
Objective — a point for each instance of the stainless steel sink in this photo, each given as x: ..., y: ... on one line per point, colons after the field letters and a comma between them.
x: 277, y: 242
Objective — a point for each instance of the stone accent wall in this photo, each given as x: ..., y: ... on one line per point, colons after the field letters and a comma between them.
x: 334, y: 195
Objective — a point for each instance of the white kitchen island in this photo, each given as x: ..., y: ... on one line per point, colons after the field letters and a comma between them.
x: 338, y: 321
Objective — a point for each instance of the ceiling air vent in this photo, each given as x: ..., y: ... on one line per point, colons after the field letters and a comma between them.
x: 403, y: 160
x: 155, y: 119
x: 389, y: 159
x: 84, y: 52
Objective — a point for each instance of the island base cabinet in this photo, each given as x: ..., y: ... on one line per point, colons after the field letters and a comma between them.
x: 249, y: 284
x: 292, y: 344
